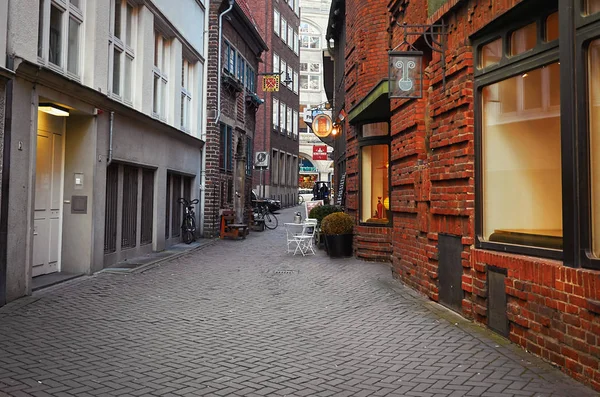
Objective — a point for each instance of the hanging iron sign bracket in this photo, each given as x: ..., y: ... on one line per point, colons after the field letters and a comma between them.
x: 406, y: 66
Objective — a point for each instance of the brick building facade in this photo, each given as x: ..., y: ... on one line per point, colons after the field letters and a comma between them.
x: 482, y: 194
x: 232, y: 120
x: 277, y: 124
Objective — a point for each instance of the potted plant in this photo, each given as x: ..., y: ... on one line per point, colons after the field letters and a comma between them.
x: 318, y: 213
x: 337, y: 228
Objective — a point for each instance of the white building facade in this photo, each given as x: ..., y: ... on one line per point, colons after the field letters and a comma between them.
x: 110, y: 96
x: 313, y: 27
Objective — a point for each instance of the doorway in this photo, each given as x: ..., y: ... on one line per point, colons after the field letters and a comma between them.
x: 49, y: 181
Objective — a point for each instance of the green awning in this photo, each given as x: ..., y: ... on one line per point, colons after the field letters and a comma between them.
x: 374, y: 106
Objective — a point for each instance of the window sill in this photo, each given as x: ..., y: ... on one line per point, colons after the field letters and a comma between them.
x: 480, y: 243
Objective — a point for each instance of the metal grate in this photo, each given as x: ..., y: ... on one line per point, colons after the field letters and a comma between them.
x: 147, y: 206
x: 110, y: 214
x: 497, y: 316
x: 286, y: 271
x: 176, y: 207
x: 450, y: 271
x: 168, y: 207
x: 130, y: 201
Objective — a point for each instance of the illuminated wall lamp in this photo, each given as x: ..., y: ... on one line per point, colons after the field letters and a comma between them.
x: 53, y: 109
x: 335, y: 129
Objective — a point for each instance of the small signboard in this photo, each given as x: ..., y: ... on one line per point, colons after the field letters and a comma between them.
x: 271, y: 83
x: 341, y: 187
x: 261, y: 160
x: 319, y: 152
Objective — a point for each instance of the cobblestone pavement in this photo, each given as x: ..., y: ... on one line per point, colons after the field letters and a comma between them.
x: 243, y: 318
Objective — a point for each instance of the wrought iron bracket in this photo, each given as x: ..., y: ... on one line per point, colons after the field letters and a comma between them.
x: 434, y: 35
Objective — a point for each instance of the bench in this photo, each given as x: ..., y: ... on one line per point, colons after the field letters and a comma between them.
x: 231, y: 229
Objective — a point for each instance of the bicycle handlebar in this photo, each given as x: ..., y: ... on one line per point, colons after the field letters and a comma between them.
x: 184, y: 201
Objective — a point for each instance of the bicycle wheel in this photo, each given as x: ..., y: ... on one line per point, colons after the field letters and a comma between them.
x: 189, y: 230
x: 271, y: 221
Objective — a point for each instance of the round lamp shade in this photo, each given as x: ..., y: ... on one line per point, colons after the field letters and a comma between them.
x: 386, y: 203
x: 322, y: 125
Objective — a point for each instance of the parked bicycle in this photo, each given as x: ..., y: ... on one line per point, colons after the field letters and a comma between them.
x: 188, y: 226
x: 262, y: 213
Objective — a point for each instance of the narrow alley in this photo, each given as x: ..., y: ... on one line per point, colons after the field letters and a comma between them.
x: 243, y: 318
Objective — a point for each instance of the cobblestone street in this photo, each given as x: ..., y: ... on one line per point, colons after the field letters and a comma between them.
x: 243, y: 318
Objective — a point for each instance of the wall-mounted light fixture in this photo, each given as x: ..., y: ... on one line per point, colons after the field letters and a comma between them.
x: 53, y: 109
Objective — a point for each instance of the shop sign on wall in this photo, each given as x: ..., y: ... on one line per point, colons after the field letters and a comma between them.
x: 319, y: 152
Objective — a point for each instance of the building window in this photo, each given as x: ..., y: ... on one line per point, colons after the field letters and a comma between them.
x: 289, y: 121
x: 521, y: 159
x: 250, y: 79
x: 296, y: 43
x: 284, y: 30
x: 310, y: 36
x: 290, y: 75
x: 161, y: 62
x: 249, y: 152
x: 310, y: 82
x: 375, y: 184
x: 594, y: 134
x: 290, y: 37
x: 59, y: 34
x: 296, y: 82
x: 187, y: 78
x: 276, y: 63
x: 276, y: 22
x: 591, y: 7
x: 519, y: 169
x: 275, y: 167
x: 226, y: 153
x: 241, y: 72
x: 120, y: 42
x: 295, y: 126
x: 275, y: 113
x: 282, y: 114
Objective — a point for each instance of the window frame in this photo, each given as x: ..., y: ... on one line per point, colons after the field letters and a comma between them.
x: 544, y: 53
x: 277, y: 22
x: 373, y: 141
x: 69, y: 12
x: 587, y: 30
x: 127, y: 51
x: 188, y: 72
x: 162, y: 75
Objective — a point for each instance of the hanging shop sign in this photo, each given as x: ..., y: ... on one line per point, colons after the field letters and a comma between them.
x: 271, y: 82
x: 406, y: 74
x: 322, y: 125
x: 406, y: 66
x: 319, y: 152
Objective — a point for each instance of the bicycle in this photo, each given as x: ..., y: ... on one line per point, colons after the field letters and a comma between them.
x: 263, y: 214
x: 188, y: 226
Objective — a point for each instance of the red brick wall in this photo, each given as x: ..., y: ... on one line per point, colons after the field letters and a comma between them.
x: 553, y: 311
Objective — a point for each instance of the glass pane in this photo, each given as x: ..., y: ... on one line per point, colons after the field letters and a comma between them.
x: 117, y: 21
x: 156, y: 48
x: 521, y: 161
x: 374, y: 129
x: 116, y: 86
x: 552, y: 27
x: 375, y: 184
x: 73, y: 50
x: 491, y: 53
x: 165, y: 53
x: 523, y: 39
x: 41, y: 29
x: 76, y: 3
x: 592, y: 6
x: 275, y: 112
x: 55, y: 53
x: 128, y: 79
x: 163, y: 101
x: 129, y: 37
x: 304, y: 82
x: 594, y: 126
x: 182, y: 121
x: 276, y: 22
x: 155, y: 94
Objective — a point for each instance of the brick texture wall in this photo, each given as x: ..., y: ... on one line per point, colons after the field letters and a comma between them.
x: 554, y: 311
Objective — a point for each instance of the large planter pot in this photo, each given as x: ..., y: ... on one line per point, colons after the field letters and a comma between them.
x: 339, y: 245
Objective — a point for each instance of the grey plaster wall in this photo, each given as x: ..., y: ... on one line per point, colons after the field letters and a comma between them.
x: 22, y: 186
x: 2, y: 107
x: 77, y: 233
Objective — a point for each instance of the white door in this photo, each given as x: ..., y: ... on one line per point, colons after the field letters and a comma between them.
x: 48, y: 199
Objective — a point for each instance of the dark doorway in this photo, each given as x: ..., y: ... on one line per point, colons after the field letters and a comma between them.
x: 450, y: 271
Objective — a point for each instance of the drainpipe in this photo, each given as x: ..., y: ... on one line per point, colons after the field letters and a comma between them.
x: 219, y: 56
x: 110, y: 138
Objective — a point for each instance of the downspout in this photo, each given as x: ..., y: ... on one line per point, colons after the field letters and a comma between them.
x: 110, y: 138
x: 219, y: 59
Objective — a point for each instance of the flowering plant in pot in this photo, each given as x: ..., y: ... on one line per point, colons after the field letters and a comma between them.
x: 337, y: 228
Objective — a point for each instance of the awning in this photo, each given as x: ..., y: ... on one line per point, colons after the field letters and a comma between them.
x: 374, y: 106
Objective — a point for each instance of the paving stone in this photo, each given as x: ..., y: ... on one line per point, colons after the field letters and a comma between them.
x: 243, y: 318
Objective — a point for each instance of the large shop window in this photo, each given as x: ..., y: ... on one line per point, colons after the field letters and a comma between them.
x: 375, y: 184
x: 521, y: 159
x: 594, y: 127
